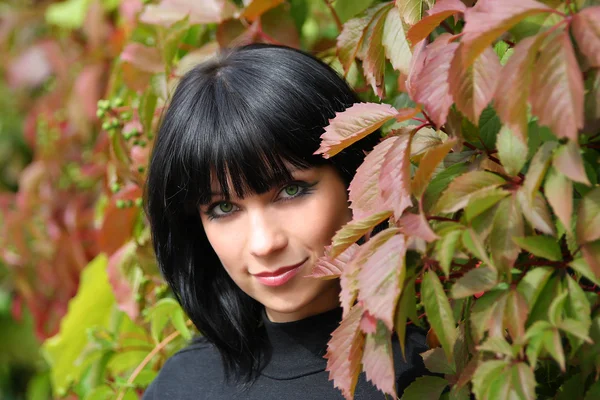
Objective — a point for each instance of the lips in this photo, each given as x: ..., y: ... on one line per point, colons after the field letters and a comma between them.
x: 279, y: 276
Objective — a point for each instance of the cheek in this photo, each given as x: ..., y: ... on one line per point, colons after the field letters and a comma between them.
x: 224, y: 243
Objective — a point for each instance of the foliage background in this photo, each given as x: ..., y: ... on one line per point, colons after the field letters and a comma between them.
x: 84, y: 83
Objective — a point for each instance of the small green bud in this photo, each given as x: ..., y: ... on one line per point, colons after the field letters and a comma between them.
x: 141, y: 169
x: 126, y: 115
x: 137, y: 297
x: 106, y: 126
x: 139, y: 202
x: 100, y: 113
x: 141, y: 143
x: 117, y: 102
x: 103, y: 104
x: 128, y: 203
x: 120, y: 204
x: 115, y: 187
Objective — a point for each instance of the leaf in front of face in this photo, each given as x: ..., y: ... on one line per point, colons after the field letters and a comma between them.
x: 586, y: 30
x: 559, y: 191
x: 364, y: 193
x: 508, y: 223
x: 460, y: 190
x: 373, y: 53
x: 416, y: 225
x: 489, y: 19
x: 428, y: 164
x: 474, y: 281
x: 441, y: 10
x: 473, y: 87
x: 397, y: 49
x: 439, y: 312
x: 588, y: 218
x: 381, y: 277
x: 354, y: 230
x: 394, y: 179
x: 344, y: 353
x: 425, y: 387
x: 377, y: 360
x: 329, y: 267
x: 512, y: 151
x: 568, y: 161
x: 355, y: 123
x: 559, y: 78
x: 540, y: 246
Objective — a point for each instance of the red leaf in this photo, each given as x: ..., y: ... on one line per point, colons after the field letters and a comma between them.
x: 488, y: 19
x: 568, y: 161
x: 344, y: 353
x: 355, y: 123
x: 117, y: 225
x: 473, y: 87
x: 381, y: 277
x: 394, y: 181
x: 350, y: 41
x: 168, y: 12
x: 378, y: 362
x: 431, y: 87
x: 144, y: 58
x: 327, y: 267
x: 364, y: 194
x: 440, y: 11
x: 416, y: 225
x: 585, y: 27
x: 510, y: 100
x: 557, y: 91
x: 416, y: 66
x: 124, y: 293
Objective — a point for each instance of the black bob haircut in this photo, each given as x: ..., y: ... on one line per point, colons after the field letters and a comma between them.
x: 245, y: 116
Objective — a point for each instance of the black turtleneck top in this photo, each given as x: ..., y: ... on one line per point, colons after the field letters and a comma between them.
x: 295, y: 369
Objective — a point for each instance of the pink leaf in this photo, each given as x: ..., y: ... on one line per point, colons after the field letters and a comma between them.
x: 368, y: 323
x: 381, y: 277
x: 344, y: 353
x: 167, y: 12
x: 557, y: 92
x: 568, y: 161
x: 417, y: 225
x: 353, y: 124
x: 489, y: 19
x: 144, y: 58
x: 117, y: 278
x: 432, y: 88
x: 378, y: 362
x: 394, y: 181
x: 354, y: 230
x: 364, y: 194
x: 30, y: 69
x: 440, y: 11
x: 473, y: 87
x: 586, y: 30
x: 327, y: 267
x: 416, y: 66
x: 510, y: 100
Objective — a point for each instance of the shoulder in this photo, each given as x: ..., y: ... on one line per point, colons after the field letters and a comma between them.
x: 193, y: 368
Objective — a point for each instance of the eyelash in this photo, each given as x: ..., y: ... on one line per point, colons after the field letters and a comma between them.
x: 304, y: 188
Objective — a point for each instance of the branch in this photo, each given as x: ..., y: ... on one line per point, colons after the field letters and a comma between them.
x: 338, y: 22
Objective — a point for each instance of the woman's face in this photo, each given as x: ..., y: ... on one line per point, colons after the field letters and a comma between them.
x: 269, y: 242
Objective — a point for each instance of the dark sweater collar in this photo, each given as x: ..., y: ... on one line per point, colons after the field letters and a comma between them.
x: 297, y: 348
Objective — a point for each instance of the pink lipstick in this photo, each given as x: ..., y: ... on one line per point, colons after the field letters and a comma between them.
x: 279, y: 276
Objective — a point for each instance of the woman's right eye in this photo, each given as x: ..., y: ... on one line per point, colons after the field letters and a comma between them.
x: 221, y: 209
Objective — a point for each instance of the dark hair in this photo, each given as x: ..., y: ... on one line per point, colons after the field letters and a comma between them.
x: 242, y: 116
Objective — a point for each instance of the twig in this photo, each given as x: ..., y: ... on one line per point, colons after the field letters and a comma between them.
x: 338, y: 22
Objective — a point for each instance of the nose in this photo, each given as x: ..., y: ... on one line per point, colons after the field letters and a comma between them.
x: 266, y: 235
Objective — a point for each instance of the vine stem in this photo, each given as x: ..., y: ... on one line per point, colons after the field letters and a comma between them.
x: 338, y: 22
x: 147, y: 359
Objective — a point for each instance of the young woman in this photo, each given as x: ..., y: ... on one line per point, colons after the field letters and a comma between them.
x: 240, y: 210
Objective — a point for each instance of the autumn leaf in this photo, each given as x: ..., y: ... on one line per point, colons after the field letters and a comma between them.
x: 588, y: 217
x: 118, y: 265
x: 167, y: 12
x: 474, y: 281
x: 474, y: 86
x: 460, y: 190
x: 591, y: 254
x: 568, y: 161
x: 432, y: 158
x: 585, y: 27
x: 355, y: 123
x: 540, y: 246
x: 512, y: 151
x: 508, y: 223
x: 354, y: 230
x: 394, y: 42
x: 516, y: 312
x: 377, y: 360
x: 411, y: 10
x: 488, y: 19
x: 328, y: 267
x: 364, y: 193
x: 440, y: 11
x: 536, y: 212
x: 394, y: 179
x: 430, y: 86
x: 537, y: 169
x: 144, y: 58
x: 445, y: 249
x: 416, y: 225
x: 344, y: 353
x: 373, y: 53
x: 255, y: 8
x: 439, y: 313
x: 557, y: 91
x: 510, y: 99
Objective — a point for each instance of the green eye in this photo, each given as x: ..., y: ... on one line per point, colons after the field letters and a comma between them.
x: 225, y: 207
x: 292, y: 190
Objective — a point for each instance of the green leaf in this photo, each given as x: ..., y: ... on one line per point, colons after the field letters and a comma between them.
x: 61, y: 350
x: 462, y: 188
x: 568, y: 161
x: 473, y: 243
x: 483, y: 200
x: 160, y: 314
x: 68, y: 14
x: 482, y: 312
x: 537, y: 169
x: 347, y: 9
x: 411, y: 10
x: 441, y: 182
x: 533, y: 283
x: 497, y: 344
x: 103, y: 392
x: 428, y: 165
x: 144, y: 378
x: 593, y: 392
x: 485, y: 374
x: 445, y: 249
x: 406, y: 308
x: 588, y: 218
x: 523, y: 381
x: 439, y: 312
x: 489, y: 127
x: 515, y: 314
x: 354, y: 230
x: 559, y: 191
x: 512, y: 151
x: 476, y: 280
x: 581, y: 266
x: 540, y: 246
x: 548, y: 292
x: 425, y: 388
x: 553, y: 345
x: 178, y: 319
x: 536, y: 212
x: 435, y: 361
x: 575, y: 328
x: 557, y: 308
x: 124, y: 361
x: 397, y: 49
x: 573, y: 388
x: 508, y: 223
